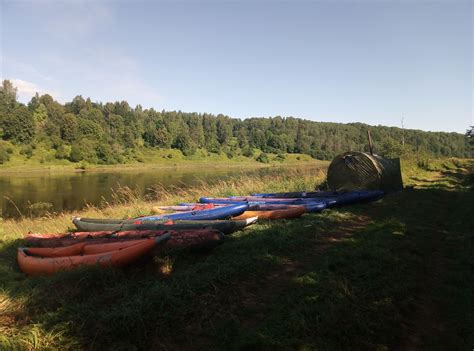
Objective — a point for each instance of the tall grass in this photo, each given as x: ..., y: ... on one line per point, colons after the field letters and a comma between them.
x: 422, y: 172
x: 277, y: 285
x: 128, y: 203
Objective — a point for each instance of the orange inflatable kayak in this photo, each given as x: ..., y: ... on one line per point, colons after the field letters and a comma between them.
x: 286, y: 213
x: 37, y: 261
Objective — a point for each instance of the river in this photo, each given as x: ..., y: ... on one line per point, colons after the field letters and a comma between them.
x: 30, y: 194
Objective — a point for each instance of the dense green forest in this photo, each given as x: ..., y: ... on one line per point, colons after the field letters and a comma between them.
x: 108, y: 133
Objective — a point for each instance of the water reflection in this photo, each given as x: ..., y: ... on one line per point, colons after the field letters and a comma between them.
x: 73, y: 191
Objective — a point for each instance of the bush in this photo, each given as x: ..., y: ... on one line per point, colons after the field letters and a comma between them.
x: 84, y: 150
x: 82, y: 165
x: 263, y: 157
x: 248, y: 152
x: 4, y: 153
x: 280, y: 157
x: 27, y: 151
x: 63, y: 152
x: 106, y: 155
x: 184, y: 143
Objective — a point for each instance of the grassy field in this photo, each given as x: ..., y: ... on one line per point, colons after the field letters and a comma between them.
x: 394, y: 274
x: 45, y: 161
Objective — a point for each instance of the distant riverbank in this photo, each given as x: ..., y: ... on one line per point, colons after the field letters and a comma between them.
x: 159, y: 162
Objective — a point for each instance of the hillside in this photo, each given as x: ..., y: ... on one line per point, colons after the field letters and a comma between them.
x: 116, y: 133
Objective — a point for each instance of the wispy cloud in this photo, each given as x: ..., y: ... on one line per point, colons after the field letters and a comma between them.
x: 26, y: 90
x: 72, y: 61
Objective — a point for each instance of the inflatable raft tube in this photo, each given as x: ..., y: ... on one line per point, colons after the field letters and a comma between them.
x: 179, y: 239
x: 224, y: 226
x: 52, y: 262
x: 288, y: 213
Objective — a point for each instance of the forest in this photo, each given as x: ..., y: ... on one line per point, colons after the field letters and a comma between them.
x: 115, y: 132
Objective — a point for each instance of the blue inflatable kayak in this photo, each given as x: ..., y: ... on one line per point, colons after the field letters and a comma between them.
x: 298, y: 194
x: 311, y: 207
x: 341, y: 198
x: 254, y: 200
x: 317, y: 194
x: 214, y: 213
x: 316, y: 207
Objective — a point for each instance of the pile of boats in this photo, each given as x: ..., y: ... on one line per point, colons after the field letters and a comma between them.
x: 118, y: 242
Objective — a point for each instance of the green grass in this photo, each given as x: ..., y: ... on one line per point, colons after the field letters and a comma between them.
x: 44, y: 160
x: 394, y: 274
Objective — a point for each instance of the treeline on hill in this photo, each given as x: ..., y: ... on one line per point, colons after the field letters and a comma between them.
x: 110, y: 133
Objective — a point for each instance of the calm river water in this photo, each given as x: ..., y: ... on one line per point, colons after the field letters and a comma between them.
x: 72, y: 191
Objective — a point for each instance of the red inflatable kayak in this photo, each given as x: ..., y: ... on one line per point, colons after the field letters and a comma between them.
x: 181, y: 238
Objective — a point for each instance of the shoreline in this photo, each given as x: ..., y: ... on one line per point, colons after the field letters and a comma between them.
x: 130, y: 204
x: 139, y: 179
x: 68, y: 169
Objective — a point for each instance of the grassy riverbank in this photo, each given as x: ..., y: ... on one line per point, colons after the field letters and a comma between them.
x: 394, y: 274
x: 150, y: 159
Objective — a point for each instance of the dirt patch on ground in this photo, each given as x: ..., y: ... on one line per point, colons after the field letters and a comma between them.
x: 346, y: 229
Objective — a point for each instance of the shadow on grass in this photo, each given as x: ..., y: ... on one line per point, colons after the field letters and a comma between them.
x: 372, y: 276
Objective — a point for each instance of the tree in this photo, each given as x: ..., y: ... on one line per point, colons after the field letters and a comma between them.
x: 132, y: 135
x: 34, y: 102
x: 116, y: 126
x: 276, y: 143
x: 18, y: 125
x: 7, y: 93
x: 84, y: 150
x: 93, y: 114
x: 63, y: 152
x: 184, y: 143
x: 77, y: 104
x: 196, y: 130
x: 224, y: 129
x: 40, y: 115
x: 391, y: 148
x: 90, y: 129
x: 55, y: 114
x: 303, y: 141
x: 470, y: 140
x: 105, y: 154
x: 69, y: 127
x: 257, y: 139
x: 114, y: 129
x: 157, y: 137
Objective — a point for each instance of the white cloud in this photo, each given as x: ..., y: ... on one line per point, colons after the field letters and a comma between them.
x: 26, y: 90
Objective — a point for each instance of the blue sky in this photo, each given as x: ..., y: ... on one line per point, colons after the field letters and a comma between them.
x: 340, y: 61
